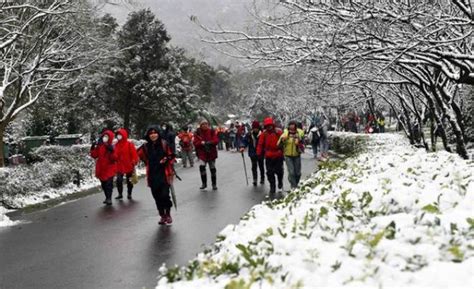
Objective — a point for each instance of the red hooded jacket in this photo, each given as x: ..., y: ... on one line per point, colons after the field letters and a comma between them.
x: 105, y: 166
x: 206, y: 152
x: 126, y: 153
x: 267, y: 141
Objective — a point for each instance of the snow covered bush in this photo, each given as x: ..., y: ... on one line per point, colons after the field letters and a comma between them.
x: 392, y: 216
x: 347, y: 143
x: 56, y: 167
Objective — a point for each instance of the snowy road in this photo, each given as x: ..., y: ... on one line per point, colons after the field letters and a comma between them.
x: 82, y: 244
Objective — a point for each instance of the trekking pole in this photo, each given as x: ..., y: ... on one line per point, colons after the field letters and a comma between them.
x: 245, y: 169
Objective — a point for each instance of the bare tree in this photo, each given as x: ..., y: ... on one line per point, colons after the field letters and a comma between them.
x: 41, y: 46
x: 427, y: 44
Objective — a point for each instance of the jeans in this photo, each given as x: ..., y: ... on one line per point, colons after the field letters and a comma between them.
x: 293, y: 164
x: 187, y: 155
x: 324, y: 143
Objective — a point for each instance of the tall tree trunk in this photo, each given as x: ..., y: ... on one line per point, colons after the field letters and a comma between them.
x: 2, y: 133
x: 432, y: 132
x: 452, y: 119
x: 127, y: 111
x: 439, y: 123
x: 418, y: 117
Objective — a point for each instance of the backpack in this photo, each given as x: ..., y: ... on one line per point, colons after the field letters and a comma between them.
x: 186, y: 141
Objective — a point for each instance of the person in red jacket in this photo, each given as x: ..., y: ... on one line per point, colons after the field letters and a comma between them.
x: 127, y: 159
x: 105, y: 168
x: 159, y: 158
x: 205, y: 141
x: 267, y: 147
x: 186, y: 144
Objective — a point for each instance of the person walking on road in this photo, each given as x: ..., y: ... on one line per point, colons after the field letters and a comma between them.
x: 267, y: 147
x: 105, y: 155
x: 250, y: 141
x: 314, y: 138
x: 205, y: 142
x: 127, y: 159
x: 323, y: 132
x: 292, y: 142
x: 186, y: 144
x: 158, y: 158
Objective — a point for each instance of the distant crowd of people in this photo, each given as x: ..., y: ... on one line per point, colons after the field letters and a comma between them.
x: 268, y: 146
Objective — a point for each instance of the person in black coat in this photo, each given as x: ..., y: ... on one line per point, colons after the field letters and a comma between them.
x: 250, y: 141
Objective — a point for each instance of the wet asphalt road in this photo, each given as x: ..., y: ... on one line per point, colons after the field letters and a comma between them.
x: 82, y: 244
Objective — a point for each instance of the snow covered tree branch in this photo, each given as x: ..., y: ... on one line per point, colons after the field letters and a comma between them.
x: 41, y: 46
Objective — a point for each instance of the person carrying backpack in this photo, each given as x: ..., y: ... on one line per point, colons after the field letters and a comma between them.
x: 105, y: 155
x: 186, y: 143
x: 158, y: 158
x: 267, y: 147
x: 292, y: 142
x: 127, y: 159
x: 250, y: 141
x: 205, y: 141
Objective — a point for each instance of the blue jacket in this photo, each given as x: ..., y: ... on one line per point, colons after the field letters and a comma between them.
x: 250, y: 141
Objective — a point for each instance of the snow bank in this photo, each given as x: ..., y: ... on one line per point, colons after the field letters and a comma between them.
x: 4, y: 220
x: 52, y: 175
x: 393, y: 216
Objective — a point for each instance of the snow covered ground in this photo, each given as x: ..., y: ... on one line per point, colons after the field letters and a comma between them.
x: 33, y: 184
x: 391, y: 217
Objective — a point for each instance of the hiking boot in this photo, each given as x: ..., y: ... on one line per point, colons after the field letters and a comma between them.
x: 162, y: 220
x: 119, y: 197
x: 168, y: 220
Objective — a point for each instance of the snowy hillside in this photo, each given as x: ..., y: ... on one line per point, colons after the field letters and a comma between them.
x: 393, y: 216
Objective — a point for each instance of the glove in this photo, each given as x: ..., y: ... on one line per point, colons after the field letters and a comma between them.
x: 110, y: 148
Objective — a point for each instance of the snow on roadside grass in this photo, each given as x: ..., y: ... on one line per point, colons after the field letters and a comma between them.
x: 51, y: 176
x: 4, y: 220
x: 393, y: 216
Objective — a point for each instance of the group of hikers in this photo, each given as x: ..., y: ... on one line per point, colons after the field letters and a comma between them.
x: 269, y: 147
x: 374, y: 123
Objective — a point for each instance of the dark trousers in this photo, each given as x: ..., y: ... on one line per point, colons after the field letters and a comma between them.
x: 162, y: 197
x: 119, y: 183
x: 108, y: 187
x: 274, y: 167
x: 257, y: 162
x: 314, y: 146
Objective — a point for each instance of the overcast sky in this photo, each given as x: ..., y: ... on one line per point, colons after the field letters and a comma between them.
x: 175, y: 15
